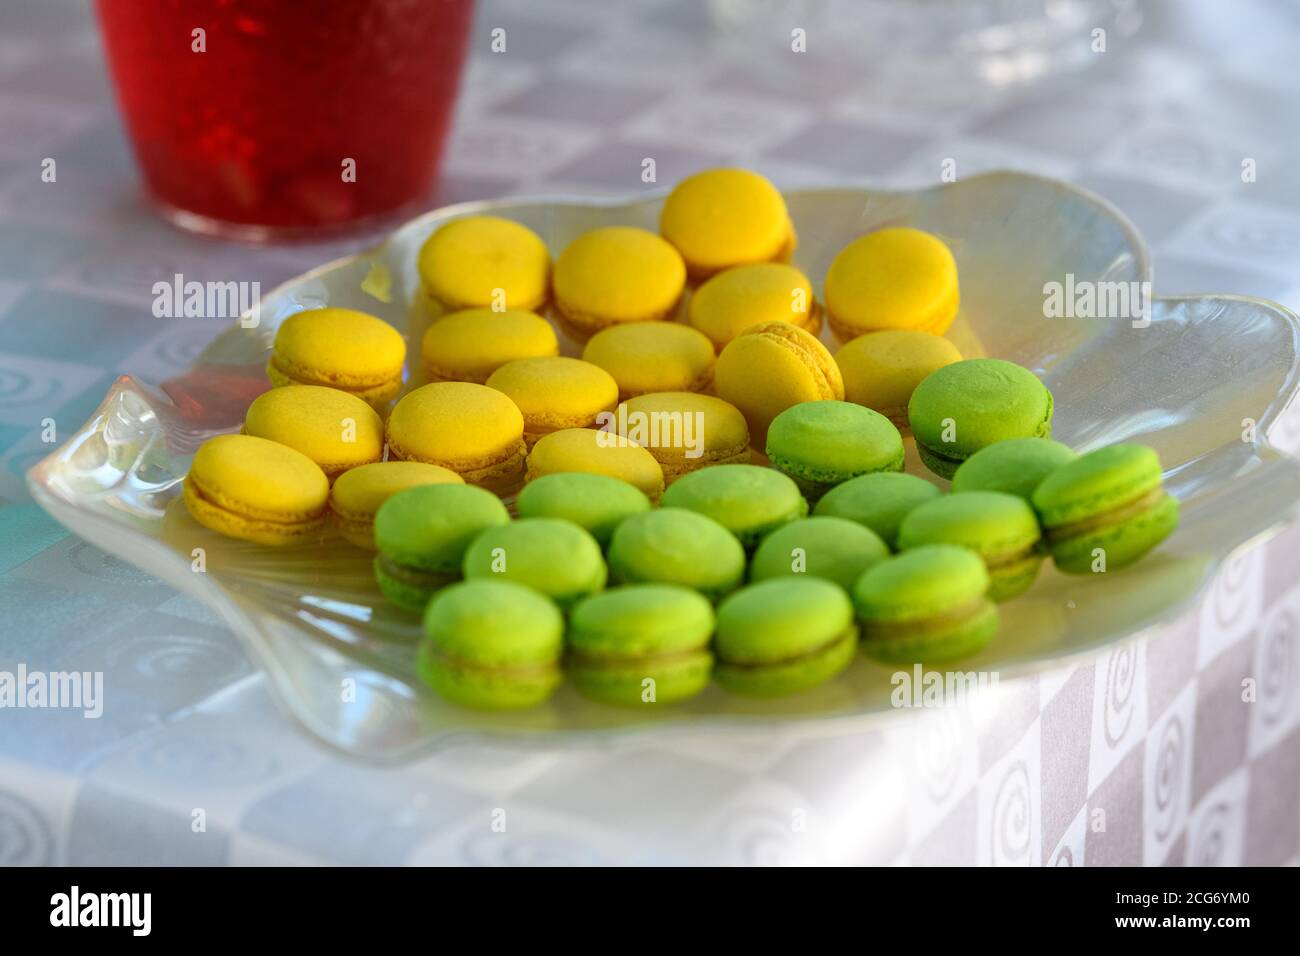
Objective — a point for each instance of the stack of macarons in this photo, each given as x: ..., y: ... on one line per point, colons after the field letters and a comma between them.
x: 707, y: 492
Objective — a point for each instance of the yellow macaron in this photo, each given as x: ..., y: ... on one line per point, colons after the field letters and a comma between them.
x: 484, y: 262
x: 554, y: 393
x: 653, y: 357
x: 685, y: 430
x: 335, y: 429
x: 613, y: 275
x: 470, y: 345
x: 768, y: 368
x: 257, y: 490
x: 339, y: 348
x: 881, y: 369
x: 600, y: 452
x: 895, y: 278
x: 358, y: 493
x: 471, y: 429
x: 736, y: 299
x: 720, y: 218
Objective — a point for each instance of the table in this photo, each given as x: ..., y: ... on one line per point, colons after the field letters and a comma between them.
x: 1144, y: 755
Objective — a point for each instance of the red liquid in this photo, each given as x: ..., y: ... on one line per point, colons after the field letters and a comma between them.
x: 250, y: 137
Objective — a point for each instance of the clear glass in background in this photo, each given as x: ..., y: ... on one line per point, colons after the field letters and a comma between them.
x: 250, y: 129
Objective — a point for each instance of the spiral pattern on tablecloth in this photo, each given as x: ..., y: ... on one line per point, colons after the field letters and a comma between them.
x: 25, y: 835
x: 1171, y: 758
x: 1277, y: 657
x: 487, y: 848
x: 18, y: 387
x: 1228, y: 599
x: 201, y: 758
x: 940, y: 742
x: 1011, y: 823
x: 756, y: 835
x: 1121, y: 683
x: 1064, y: 857
x: 171, y: 657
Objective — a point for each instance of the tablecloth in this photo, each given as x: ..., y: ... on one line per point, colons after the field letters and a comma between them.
x: 1145, y: 754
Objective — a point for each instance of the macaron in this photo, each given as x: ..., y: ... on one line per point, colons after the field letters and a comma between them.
x: 256, y: 489
x: 359, y: 492
x: 599, y: 452
x: 747, y: 500
x: 771, y: 366
x: 1016, y: 466
x: 339, y: 348
x: 894, y: 278
x: 836, y: 549
x: 882, y: 369
x: 653, y: 357
x: 726, y: 217
x: 422, y: 534
x: 739, y: 298
x: 555, y: 393
x: 613, y: 275
x: 685, y: 431
x: 335, y: 429
x: 594, y: 502
x: 674, y: 546
x: 484, y: 262
x: 641, y: 644
x: 822, y: 444
x: 551, y: 555
x: 1002, y: 529
x: 1106, y: 509
x: 783, y: 635
x: 971, y: 404
x: 879, y: 501
x: 492, y: 645
x: 475, y: 431
x: 470, y: 345
x: 926, y: 605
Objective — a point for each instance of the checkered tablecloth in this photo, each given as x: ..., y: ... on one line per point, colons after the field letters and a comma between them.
x: 1145, y: 754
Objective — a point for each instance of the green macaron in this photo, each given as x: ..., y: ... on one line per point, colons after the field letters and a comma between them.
x: 1106, y: 509
x: 821, y: 444
x: 421, y: 534
x: 596, y: 502
x: 879, y: 502
x: 836, y: 549
x: 966, y: 406
x: 747, y: 500
x: 925, y: 605
x: 1002, y: 529
x: 492, y: 644
x: 676, y: 546
x: 641, y: 644
x: 1015, y: 466
x: 783, y: 635
x: 551, y: 555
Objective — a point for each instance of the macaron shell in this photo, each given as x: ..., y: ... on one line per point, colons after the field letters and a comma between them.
x: 429, y: 527
x: 771, y: 367
x: 959, y: 639
x: 333, y: 428
x: 616, y: 274
x: 920, y: 584
x: 879, y: 501
x: 550, y: 555
x: 339, y: 348
x: 1097, y: 482
x: 836, y: 549
x: 747, y: 500
x: 407, y: 589
x: 256, y: 489
x: 471, y: 429
x: 1016, y: 466
x: 739, y: 298
x: 556, y: 392
x: 724, y: 217
x: 790, y: 677
x: 647, y: 357
x: 469, y: 262
x: 598, y: 452
x: 359, y: 493
x: 882, y: 369
x: 594, y: 502
x: 470, y: 345
x: 893, y: 278
x: 1123, y: 544
x: 820, y: 444
x: 685, y: 431
x: 674, y: 546
x: 624, y: 683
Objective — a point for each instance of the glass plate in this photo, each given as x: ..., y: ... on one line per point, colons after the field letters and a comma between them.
x: 340, y: 661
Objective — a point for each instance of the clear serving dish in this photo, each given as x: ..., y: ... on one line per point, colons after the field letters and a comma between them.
x: 341, y: 661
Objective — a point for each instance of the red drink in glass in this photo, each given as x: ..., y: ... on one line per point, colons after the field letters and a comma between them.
x: 264, y: 119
